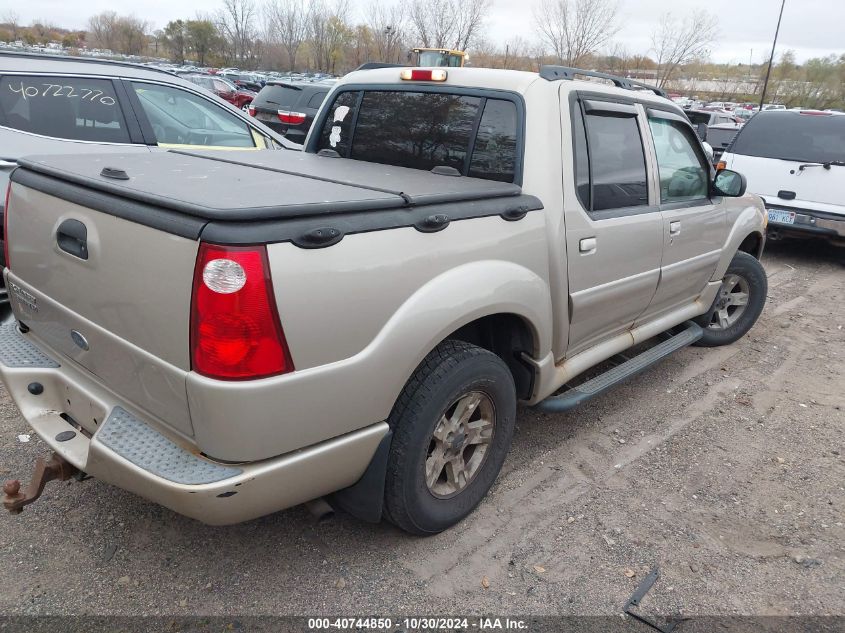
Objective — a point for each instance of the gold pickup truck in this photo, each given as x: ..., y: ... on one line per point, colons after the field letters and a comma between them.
x: 232, y: 334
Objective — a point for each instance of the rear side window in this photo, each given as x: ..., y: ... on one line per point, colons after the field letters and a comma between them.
x: 76, y: 108
x: 807, y: 138
x: 316, y: 100
x: 617, y: 162
x: 494, y: 153
x: 279, y: 96
x: 477, y: 136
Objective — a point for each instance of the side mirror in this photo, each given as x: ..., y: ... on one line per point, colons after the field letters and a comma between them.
x: 701, y: 129
x: 729, y: 183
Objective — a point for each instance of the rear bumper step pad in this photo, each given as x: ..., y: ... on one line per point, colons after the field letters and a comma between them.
x: 16, y: 351
x: 601, y: 383
x: 145, y: 447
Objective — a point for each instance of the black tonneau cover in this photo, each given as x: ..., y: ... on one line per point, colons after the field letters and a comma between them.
x: 254, y: 192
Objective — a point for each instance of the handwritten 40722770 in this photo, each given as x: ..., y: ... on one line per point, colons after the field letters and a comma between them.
x: 61, y: 91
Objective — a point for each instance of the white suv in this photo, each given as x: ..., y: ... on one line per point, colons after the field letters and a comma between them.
x: 795, y: 160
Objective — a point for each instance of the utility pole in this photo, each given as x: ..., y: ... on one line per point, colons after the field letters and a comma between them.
x: 772, y: 57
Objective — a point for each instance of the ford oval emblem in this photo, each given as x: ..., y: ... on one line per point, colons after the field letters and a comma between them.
x: 80, y: 341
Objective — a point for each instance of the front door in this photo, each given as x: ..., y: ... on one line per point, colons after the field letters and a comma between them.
x: 694, y: 226
x: 614, y: 235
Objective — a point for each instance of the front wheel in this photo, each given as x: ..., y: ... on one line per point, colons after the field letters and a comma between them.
x: 452, y: 428
x: 738, y: 305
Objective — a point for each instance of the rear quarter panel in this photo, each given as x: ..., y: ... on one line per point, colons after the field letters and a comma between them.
x: 359, y: 316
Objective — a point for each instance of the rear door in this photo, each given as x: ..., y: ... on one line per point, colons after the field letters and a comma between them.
x: 614, y: 229
x: 794, y: 160
x: 694, y: 226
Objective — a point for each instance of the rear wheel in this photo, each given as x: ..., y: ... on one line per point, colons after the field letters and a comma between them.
x: 452, y: 428
x: 738, y: 305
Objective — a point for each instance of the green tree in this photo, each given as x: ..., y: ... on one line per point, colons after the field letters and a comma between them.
x: 202, y: 38
x: 175, y: 40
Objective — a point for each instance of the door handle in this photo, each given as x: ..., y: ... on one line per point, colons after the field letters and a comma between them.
x: 72, y: 238
x: 674, y: 228
x: 587, y: 245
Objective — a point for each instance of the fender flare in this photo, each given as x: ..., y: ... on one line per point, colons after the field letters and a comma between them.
x: 451, y: 300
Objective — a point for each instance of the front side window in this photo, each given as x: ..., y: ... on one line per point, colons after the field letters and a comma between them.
x: 75, y: 108
x: 683, y: 175
x: 617, y: 162
x: 476, y: 136
x: 179, y: 117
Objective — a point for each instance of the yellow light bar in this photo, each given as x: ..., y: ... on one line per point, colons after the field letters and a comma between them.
x: 423, y: 74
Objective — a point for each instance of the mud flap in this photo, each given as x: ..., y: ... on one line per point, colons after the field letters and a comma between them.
x: 365, y: 498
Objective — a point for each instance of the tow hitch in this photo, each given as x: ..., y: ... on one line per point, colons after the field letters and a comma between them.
x: 55, y: 468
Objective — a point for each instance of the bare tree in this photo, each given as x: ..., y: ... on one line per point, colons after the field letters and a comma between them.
x: 678, y: 42
x: 13, y: 20
x: 132, y: 34
x: 105, y: 27
x: 448, y: 23
x: 574, y: 29
x: 236, y: 22
x: 288, y: 24
x: 328, y: 32
x: 387, y: 25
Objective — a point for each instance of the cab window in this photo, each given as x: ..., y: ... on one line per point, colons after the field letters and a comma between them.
x: 74, y: 108
x: 683, y: 173
x: 474, y: 135
x: 179, y: 117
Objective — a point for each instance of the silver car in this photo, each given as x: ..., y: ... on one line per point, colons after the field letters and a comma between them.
x: 62, y: 105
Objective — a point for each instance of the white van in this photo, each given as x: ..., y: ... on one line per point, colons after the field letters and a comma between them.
x: 795, y: 160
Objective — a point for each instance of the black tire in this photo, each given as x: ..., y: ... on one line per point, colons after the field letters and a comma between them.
x: 450, y: 371
x: 749, y: 269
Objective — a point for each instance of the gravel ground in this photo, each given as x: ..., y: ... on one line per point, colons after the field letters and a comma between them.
x: 724, y: 467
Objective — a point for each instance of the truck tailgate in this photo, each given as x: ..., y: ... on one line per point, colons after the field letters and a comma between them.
x: 122, y: 312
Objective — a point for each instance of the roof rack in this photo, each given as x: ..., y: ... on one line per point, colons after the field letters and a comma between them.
x: 89, y: 60
x: 557, y: 73
x: 374, y: 65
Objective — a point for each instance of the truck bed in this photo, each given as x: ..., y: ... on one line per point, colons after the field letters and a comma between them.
x: 245, y: 197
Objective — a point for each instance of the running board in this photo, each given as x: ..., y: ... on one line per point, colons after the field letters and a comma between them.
x: 601, y: 383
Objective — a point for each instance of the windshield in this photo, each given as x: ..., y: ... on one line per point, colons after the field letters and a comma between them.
x: 699, y: 117
x: 436, y: 58
x: 806, y: 138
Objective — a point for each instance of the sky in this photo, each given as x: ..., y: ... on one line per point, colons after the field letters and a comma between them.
x: 812, y: 28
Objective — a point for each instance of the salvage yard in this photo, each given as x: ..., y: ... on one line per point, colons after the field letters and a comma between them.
x: 723, y: 467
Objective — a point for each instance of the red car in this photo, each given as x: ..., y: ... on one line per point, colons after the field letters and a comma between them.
x: 224, y: 89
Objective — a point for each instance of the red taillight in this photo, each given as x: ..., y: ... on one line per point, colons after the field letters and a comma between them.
x: 291, y: 118
x: 251, y: 110
x: 6, y: 226
x: 235, y: 328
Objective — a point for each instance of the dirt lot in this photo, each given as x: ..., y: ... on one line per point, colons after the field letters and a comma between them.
x: 724, y: 467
